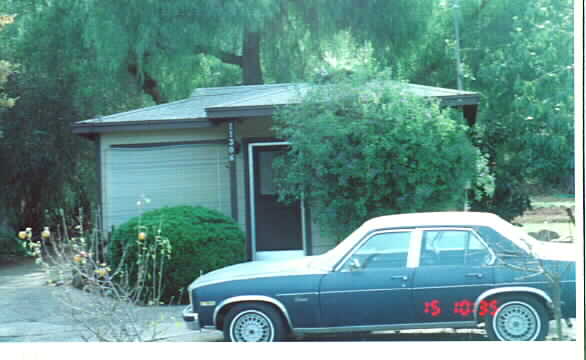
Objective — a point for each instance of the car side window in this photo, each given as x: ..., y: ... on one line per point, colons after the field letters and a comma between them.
x: 381, y: 251
x: 452, y: 247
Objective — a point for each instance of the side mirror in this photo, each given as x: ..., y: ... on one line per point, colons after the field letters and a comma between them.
x: 355, y: 264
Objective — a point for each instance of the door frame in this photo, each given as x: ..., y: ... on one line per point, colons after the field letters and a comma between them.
x: 250, y: 144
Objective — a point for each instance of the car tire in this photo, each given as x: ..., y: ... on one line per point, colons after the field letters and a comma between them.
x: 254, y: 322
x: 518, y: 318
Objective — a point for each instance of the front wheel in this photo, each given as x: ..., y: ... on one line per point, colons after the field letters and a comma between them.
x: 518, y: 318
x: 254, y: 322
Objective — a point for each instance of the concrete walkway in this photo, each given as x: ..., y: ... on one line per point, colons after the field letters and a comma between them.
x: 30, y: 311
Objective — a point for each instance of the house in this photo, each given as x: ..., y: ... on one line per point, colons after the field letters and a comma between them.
x: 215, y: 149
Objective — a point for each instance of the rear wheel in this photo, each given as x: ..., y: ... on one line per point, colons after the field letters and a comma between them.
x: 254, y: 322
x: 518, y: 318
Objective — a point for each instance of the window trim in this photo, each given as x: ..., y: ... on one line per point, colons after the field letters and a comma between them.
x: 470, y: 230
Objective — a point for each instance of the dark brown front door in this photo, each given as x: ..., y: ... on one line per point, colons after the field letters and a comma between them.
x: 276, y: 227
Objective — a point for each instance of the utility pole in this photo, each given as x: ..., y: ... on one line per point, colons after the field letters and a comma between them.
x: 456, y: 14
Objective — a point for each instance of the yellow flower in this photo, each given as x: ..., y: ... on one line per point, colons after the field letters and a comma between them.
x: 46, y: 233
x: 101, y: 272
x: 22, y: 235
x: 77, y: 258
x: 142, y: 236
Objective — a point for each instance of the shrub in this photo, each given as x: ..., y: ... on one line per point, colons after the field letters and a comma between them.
x: 362, y: 148
x: 201, y: 240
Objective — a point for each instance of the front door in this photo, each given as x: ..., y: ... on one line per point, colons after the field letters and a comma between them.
x: 276, y: 228
x: 373, y: 286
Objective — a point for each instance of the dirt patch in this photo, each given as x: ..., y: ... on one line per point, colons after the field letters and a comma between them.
x: 553, y: 214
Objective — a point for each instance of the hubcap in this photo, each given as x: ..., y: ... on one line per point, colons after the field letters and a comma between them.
x: 252, y: 326
x: 516, y: 321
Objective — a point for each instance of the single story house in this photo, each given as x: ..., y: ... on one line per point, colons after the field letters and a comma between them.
x: 215, y: 149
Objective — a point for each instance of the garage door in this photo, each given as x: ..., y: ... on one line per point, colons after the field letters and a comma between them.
x: 167, y: 175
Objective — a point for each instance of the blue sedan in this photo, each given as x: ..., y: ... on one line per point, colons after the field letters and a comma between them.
x: 408, y: 271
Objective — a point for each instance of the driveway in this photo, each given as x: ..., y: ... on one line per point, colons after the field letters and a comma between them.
x: 30, y: 311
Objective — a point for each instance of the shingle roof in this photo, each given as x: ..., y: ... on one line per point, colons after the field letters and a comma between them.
x: 236, y: 101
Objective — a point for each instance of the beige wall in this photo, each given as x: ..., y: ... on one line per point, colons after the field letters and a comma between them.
x: 250, y: 128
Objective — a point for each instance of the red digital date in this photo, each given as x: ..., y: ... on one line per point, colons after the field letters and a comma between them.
x: 463, y: 307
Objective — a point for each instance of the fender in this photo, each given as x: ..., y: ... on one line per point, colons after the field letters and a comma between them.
x: 509, y: 289
x: 248, y: 298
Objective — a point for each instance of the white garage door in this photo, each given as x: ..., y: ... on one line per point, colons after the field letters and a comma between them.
x: 167, y: 175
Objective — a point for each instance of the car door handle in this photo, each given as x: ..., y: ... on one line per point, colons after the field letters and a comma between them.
x: 475, y: 275
x: 399, y: 277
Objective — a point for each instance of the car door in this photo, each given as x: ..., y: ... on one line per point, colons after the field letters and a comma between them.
x: 454, y: 268
x: 371, y: 286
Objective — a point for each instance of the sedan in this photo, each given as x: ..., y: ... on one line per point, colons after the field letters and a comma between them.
x: 397, y: 272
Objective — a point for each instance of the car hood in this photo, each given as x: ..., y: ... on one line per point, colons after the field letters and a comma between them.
x: 305, y: 265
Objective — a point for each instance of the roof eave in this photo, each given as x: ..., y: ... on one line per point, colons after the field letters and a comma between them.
x: 92, y: 128
x: 251, y: 111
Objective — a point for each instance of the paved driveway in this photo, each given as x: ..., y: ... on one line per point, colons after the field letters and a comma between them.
x: 30, y: 311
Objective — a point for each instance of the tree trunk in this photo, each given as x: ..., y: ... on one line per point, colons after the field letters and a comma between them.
x: 251, y: 70
x: 557, y: 306
x: 149, y: 85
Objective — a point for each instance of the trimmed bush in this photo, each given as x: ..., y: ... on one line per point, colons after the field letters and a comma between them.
x: 201, y: 240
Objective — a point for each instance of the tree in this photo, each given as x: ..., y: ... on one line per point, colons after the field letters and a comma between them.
x: 375, y: 150
x: 160, y: 43
x: 43, y: 165
x: 519, y: 56
x: 6, y: 68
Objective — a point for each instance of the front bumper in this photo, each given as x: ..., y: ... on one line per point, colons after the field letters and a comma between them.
x: 191, y: 319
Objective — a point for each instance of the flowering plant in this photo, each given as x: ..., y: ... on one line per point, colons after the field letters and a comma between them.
x: 109, y: 310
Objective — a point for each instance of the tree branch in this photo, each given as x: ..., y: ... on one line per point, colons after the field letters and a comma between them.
x: 224, y: 56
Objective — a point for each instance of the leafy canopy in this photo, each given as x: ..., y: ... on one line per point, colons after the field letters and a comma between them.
x: 363, y: 148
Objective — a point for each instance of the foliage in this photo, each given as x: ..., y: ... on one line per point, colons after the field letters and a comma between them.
x: 519, y: 57
x: 6, y: 68
x: 43, y: 164
x: 532, y: 117
x: 375, y: 150
x: 107, y: 309
x: 202, y: 240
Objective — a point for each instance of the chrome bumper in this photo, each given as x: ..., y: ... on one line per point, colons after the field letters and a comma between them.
x: 191, y: 319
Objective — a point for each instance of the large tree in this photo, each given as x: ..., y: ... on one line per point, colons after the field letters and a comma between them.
x: 519, y: 56
x: 158, y: 42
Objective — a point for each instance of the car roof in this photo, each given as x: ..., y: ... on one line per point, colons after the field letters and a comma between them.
x: 445, y: 218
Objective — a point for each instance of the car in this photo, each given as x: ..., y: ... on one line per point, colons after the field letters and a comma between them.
x: 396, y: 272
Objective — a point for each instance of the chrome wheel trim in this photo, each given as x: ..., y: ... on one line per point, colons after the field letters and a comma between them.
x: 252, y: 326
x: 516, y: 321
